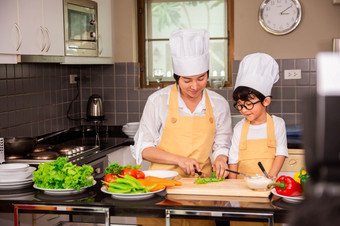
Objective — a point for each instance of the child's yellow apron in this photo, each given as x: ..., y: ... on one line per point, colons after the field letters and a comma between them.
x: 253, y: 151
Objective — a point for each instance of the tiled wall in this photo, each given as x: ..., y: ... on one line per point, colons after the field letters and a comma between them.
x: 34, y: 98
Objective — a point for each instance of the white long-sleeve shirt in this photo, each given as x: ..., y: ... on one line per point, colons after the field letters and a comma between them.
x: 156, y: 111
x: 259, y: 132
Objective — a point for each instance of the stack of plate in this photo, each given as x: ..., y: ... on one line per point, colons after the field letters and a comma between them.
x: 15, y: 176
x: 130, y: 128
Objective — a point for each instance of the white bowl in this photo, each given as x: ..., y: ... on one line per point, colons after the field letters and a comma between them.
x: 132, y: 126
x: 167, y: 174
x: 129, y: 130
x: 13, y: 167
x: 17, y: 175
x: 258, y: 182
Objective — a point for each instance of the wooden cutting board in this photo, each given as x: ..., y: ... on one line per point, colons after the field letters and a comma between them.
x: 229, y: 187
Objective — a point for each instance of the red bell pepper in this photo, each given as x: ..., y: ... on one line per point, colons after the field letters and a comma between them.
x: 287, y: 186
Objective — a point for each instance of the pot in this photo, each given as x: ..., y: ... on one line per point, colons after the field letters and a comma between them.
x: 19, y: 145
x: 23, y: 145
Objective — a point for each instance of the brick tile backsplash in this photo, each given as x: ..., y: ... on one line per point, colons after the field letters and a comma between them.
x: 35, y: 98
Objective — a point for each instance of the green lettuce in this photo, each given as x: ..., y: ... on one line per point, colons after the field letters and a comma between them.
x: 61, y: 174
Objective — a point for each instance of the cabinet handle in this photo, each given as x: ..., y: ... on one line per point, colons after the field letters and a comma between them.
x: 44, y: 40
x: 98, y: 170
x: 100, y: 44
x: 49, y: 40
x: 19, y: 35
x: 292, y: 162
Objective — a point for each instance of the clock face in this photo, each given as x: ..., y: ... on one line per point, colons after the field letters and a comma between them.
x: 280, y: 17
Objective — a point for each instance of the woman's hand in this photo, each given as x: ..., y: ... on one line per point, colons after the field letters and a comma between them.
x: 189, y: 165
x: 220, y: 165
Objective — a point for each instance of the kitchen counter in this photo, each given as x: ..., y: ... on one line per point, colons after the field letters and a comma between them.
x: 156, y: 206
x: 159, y: 206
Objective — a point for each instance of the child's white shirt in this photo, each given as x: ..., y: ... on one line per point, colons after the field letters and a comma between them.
x: 259, y: 132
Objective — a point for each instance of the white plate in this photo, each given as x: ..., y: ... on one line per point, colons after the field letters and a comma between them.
x: 16, y: 181
x: 290, y: 199
x: 16, y: 185
x: 62, y: 191
x: 13, y: 167
x: 17, y: 176
x: 167, y: 174
x: 128, y: 196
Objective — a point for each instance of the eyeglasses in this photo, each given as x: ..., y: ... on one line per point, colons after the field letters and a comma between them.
x: 247, y: 105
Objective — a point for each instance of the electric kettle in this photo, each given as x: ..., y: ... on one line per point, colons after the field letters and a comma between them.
x: 95, y: 108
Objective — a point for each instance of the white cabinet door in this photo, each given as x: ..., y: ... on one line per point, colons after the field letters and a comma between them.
x: 9, y: 27
x: 104, y: 28
x: 31, y: 25
x: 54, y: 27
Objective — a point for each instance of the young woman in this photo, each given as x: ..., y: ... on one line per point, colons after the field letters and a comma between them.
x: 185, y: 126
x: 258, y: 137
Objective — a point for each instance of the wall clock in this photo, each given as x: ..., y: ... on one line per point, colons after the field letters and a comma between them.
x: 280, y: 17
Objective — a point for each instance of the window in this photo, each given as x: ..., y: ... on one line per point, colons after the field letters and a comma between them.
x: 158, y: 18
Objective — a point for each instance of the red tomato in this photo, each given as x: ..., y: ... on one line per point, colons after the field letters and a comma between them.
x: 140, y: 175
x: 110, y: 178
x: 130, y: 172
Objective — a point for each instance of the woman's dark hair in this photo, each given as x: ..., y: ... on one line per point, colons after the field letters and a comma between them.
x: 245, y: 93
x: 176, y: 77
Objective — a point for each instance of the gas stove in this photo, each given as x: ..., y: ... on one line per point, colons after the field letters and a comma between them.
x: 79, y: 145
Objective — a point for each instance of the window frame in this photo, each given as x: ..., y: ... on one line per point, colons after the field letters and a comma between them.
x: 142, y: 50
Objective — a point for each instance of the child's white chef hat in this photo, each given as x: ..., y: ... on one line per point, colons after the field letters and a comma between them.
x: 189, y: 51
x: 258, y: 71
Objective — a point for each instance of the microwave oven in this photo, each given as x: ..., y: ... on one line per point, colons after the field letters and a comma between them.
x: 81, y: 26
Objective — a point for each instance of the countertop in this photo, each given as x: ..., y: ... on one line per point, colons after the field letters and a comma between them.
x: 111, y: 138
x: 151, y: 207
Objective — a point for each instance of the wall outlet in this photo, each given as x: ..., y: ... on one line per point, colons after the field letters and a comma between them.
x: 292, y: 74
x: 74, y: 78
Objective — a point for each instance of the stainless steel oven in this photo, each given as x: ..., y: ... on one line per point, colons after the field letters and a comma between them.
x: 81, y: 25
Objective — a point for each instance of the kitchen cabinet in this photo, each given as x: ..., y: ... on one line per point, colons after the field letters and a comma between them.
x: 104, y: 28
x: 9, y: 26
x: 53, y: 23
x: 41, y: 25
x: 295, y: 161
x: 32, y: 27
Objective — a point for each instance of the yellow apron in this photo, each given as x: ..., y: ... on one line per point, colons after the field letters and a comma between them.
x: 189, y: 136
x: 253, y: 151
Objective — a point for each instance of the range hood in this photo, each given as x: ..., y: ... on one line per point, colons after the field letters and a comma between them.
x: 40, y: 59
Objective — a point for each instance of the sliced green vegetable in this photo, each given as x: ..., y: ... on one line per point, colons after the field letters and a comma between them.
x: 127, y: 184
x: 206, y: 180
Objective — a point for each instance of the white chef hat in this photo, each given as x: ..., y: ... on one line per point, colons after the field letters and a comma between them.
x: 189, y: 51
x: 258, y: 71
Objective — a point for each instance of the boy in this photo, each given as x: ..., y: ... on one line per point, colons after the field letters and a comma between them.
x: 258, y: 137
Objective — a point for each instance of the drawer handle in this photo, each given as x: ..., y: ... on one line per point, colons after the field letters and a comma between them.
x: 98, y: 170
x: 292, y: 162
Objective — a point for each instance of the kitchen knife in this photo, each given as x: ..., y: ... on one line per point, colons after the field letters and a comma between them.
x: 199, y: 173
x: 232, y: 171
x: 263, y: 170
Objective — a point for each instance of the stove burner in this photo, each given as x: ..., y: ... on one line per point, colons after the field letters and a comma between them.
x: 45, y: 155
x: 15, y: 157
x: 42, y: 147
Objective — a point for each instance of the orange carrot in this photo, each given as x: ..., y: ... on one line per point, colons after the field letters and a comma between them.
x: 157, y: 187
x: 148, y: 183
x: 163, y: 181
